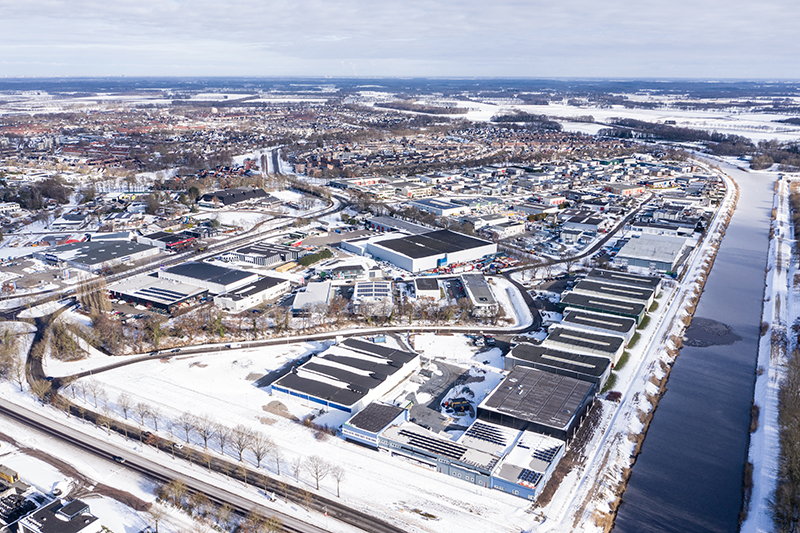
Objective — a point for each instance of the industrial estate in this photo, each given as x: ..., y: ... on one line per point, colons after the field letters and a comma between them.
x: 325, y: 314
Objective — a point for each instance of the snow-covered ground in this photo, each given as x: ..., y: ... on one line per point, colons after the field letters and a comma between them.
x: 780, y: 287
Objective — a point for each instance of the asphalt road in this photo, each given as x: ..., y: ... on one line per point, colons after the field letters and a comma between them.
x: 105, y: 451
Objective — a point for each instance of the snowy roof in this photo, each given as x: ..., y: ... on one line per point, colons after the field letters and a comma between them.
x: 659, y: 248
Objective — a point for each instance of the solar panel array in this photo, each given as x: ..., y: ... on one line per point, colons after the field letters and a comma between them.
x: 161, y: 294
x: 488, y: 433
x: 442, y: 447
x: 529, y: 477
x: 372, y: 290
x: 546, y: 454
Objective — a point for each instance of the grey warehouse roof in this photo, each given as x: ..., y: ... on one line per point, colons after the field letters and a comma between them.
x: 253, y: 288
x: 611, y: 290
x: 540, y: 397
x: 591, y: 365
x: 95, y: 253
x: 375, y: 417
x: 432, y: 243
x: 604, y: 304
x: 209, y: 272
x: 618, y: 324
x: 582, y: 339
x: 623, y: 278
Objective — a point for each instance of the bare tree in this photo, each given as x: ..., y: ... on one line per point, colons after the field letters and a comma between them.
x: 205, y: 427
x: 297, y: 465
x: 142, y: 411
x: 156, y: 513
x: 224, y: 513
x: 222, y: 435
x: 125, y: 403
x: 17, y: 371
x: 176, y: 490
x: 338, y: 474
x: 317, y: 467
x: 261, y: 446
x: 155, y: 414
x: 277, y: 455
x: 241, y: 437
x: 207, y: 459
x: 273, y: 524
x: 254, y: 521
x: 187, y: 422
x: 41, y: 389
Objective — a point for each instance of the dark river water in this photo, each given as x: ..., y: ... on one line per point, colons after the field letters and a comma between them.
x: 689, y: 474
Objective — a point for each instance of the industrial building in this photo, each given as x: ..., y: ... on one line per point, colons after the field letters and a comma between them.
x: 156, y: 292
x: 602, y: 323
x: 539, y: 401
x: 265, y: 254
x: 441, y: 208
x: 656, y: 252
x: 613, y: 291
x: 348, y: 376
x: 96, y: 256
x: 427, y: 251
x: 373, y: 298
x: 61, y: 517
x: 230, y: 196
x: 386, y: 224
x: 573, y: 340
x: 316, y: 294
x: 592, y: 368
x: 480, y: 295
x: 367, y: 424
x: 625, y: 278
x: 603, y: 305
x: 167, y: 241
x: 487, y: 455
x: 252, y: 294
x: 427, y: 287
x: 215, y: 279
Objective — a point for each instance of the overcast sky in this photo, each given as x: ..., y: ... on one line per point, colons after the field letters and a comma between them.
x: 434, y: 38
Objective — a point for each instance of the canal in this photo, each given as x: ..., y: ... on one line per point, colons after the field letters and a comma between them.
x: 689, y: 474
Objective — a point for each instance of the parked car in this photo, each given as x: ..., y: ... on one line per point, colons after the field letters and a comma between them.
x: 117, y: 458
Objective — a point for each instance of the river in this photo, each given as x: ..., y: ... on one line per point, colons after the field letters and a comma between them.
x: 689, y: 474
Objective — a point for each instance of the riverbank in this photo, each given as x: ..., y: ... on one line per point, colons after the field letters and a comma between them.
x: 780, y: 310
x: 596, y: 486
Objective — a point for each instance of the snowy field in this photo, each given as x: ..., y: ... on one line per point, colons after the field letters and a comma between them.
x: 221, y: 385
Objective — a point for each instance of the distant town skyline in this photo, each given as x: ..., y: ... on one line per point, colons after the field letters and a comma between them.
x: 512, y: 38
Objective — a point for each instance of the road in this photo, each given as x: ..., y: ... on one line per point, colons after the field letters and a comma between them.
x: 138, y: 463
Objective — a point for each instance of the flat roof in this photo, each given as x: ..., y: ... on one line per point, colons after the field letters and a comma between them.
x: 157, y: 290
x: 584, y: 340
x: 95, y: 253
x: 529, y: 459
x: 476, y: 285
x: 618, y: 324
x: 256, y: 287
x: 208, y: 272
x: 539, y: 397
x: 396, y: 223
x: 603, y: 304
x: 426, y: 284
x: 417, y: 437
x: 653, y: 248
x: 437, y: 203
x: 432, y: 243
x: 266, y: 249
x: 612, y: 290
x: 623, y: 278
x: 344, y: 374
x: 375, y: 417
x: 590, y: 365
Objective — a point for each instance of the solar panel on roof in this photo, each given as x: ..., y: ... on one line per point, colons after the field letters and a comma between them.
x: 529, y: 477
x: 448, y: 449
x: 488, y: 433
x: 546, y: 454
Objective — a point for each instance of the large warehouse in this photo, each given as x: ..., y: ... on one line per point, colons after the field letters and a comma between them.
x: 534, y: 400
x: 427, y: 251
x: 592, y: 368
x: 252, y: 294
x: 656, y: 252
x: 157, y: 292
x: 96, y: 256
x: 215, y: 279
x: 348, y: 376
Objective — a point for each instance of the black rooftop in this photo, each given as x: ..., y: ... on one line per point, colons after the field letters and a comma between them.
x: 375, y: 417
x: 209, y: 272
x: 540, y: 397
x: 433, y: 243
x: 624, y: 278
x: 591, y: 365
